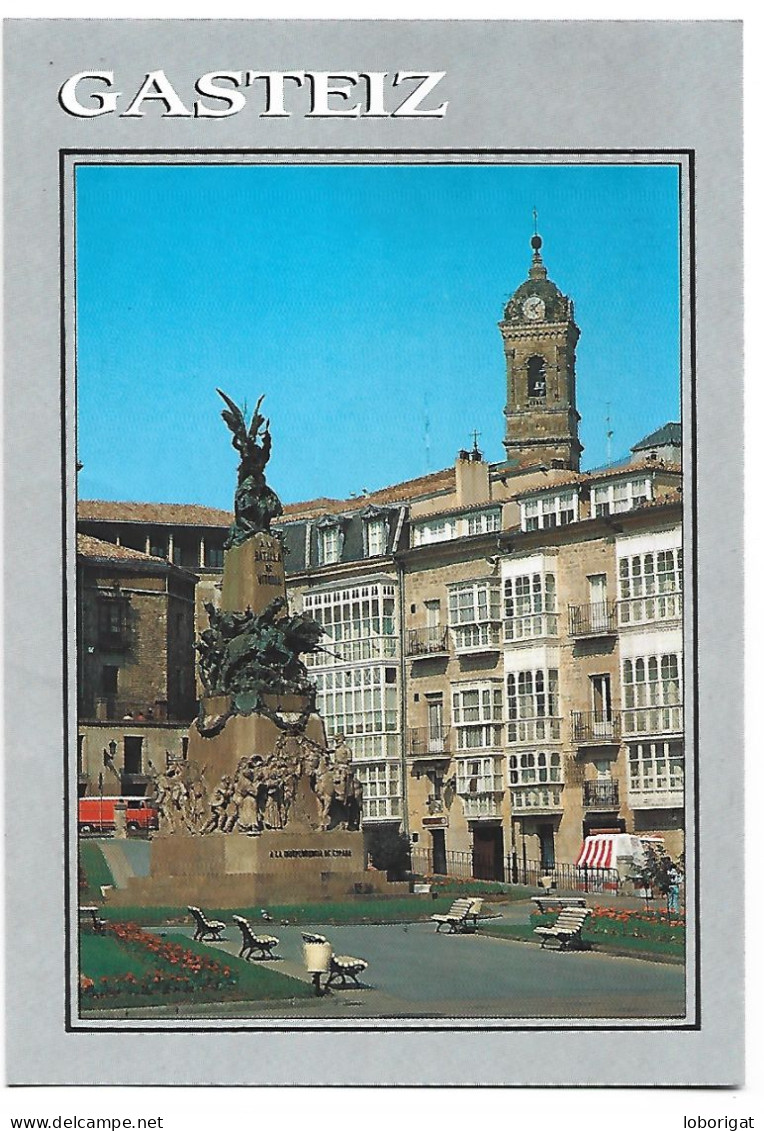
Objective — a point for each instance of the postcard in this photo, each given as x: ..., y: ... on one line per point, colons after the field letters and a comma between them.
x: 373, y: 465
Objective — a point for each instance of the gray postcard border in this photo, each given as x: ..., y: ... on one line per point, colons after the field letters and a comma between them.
x: 677, y: 89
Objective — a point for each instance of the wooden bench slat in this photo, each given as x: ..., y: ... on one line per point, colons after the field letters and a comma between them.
x: 460, y: 911
x: 567, y: 927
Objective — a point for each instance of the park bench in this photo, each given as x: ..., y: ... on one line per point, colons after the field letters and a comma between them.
x: 204, y: 926
x: 250, y: 941
x: 567, y: 928
x: 342, y: 966
x: 90, y: 916
x: 558, y: 902
x: 461, y: 914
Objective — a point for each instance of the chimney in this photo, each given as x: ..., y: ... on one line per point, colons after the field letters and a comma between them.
x: 472, y: 483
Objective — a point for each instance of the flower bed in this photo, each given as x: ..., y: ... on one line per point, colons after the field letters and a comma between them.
x: 161, y: 967
x: 612, y: 922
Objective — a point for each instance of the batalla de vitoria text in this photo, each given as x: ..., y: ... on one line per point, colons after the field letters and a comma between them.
x: 275, y: 94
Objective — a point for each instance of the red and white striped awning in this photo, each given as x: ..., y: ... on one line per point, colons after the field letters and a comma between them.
x: 596, y: 852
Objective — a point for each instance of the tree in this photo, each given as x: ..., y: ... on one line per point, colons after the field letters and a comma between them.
x: 662, y: 874
x: 389, y: 850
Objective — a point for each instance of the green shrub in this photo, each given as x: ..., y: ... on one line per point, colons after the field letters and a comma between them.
x: 389, y: 850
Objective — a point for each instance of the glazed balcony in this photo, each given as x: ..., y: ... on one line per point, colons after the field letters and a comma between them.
x: 476, y: 639
x: 654, y: 607
x: 546, y: 798
x: 479, y: 805
x: 542, y: 729
x: 653, y: 721
x: 530, y: 626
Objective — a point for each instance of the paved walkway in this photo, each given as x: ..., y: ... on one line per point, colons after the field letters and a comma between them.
x: 416, y: 973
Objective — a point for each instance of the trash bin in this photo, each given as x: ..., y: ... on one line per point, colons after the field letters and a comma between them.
x: 317, y: 957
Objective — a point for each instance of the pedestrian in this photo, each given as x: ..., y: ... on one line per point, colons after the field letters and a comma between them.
x: 673, y: 891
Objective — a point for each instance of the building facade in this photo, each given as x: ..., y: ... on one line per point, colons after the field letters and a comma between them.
x: 504, y: 646
x: 136, y: 693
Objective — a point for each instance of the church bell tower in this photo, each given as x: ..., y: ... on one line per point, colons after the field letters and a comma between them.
x: 540, y: 335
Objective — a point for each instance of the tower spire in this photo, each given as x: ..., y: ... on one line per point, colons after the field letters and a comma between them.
x: 538, y: 270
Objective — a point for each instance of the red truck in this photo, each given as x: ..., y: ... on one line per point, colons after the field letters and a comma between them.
x: 96, y: 814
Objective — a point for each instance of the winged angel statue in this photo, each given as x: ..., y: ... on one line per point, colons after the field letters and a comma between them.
x: 255, y: 504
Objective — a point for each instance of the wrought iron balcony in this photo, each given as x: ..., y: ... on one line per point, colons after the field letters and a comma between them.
x: 432, y: 641
x: 600, y: 794
x: 598, y: 619
x: 595, y: 728
x: 429, y: 742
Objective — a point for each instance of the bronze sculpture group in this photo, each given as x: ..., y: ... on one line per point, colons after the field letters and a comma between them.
x: 252, y: 664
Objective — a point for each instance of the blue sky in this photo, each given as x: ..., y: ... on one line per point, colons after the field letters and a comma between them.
x: 363, y: 301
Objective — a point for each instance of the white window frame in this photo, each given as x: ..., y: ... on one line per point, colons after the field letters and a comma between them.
x: 533, y: 703
x: 329, y: 544
x: 474, y: 614
x: 650, y: 586
x: 544, y: 512
x: 652, y: 694
x: 630, y: 493
x: 530, y: 605
x: 536, y: 779
x: 476, y: 712
x: 656, y: 768
x: 375, y: 535
x: 479, y: 773
x: 483, y: 522
x: 360, y: 623
x: 382, y: 794
x: 434, y: 530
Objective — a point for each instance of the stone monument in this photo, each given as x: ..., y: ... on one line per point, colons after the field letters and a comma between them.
x: 262, y: 808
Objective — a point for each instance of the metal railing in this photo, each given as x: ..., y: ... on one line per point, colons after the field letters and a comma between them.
x: 515, y: 869
x: 428, y: 741
x: 566, y: 877
x: 600, y: 794
x: 598, y: 619
x: 595, y: 727
x: 457, y: 864
x: 430, y: 641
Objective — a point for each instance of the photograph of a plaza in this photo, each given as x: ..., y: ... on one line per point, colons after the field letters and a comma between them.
x: 378, y: 610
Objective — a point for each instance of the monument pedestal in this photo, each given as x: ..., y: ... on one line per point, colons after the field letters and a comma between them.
x: 237, y: 871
